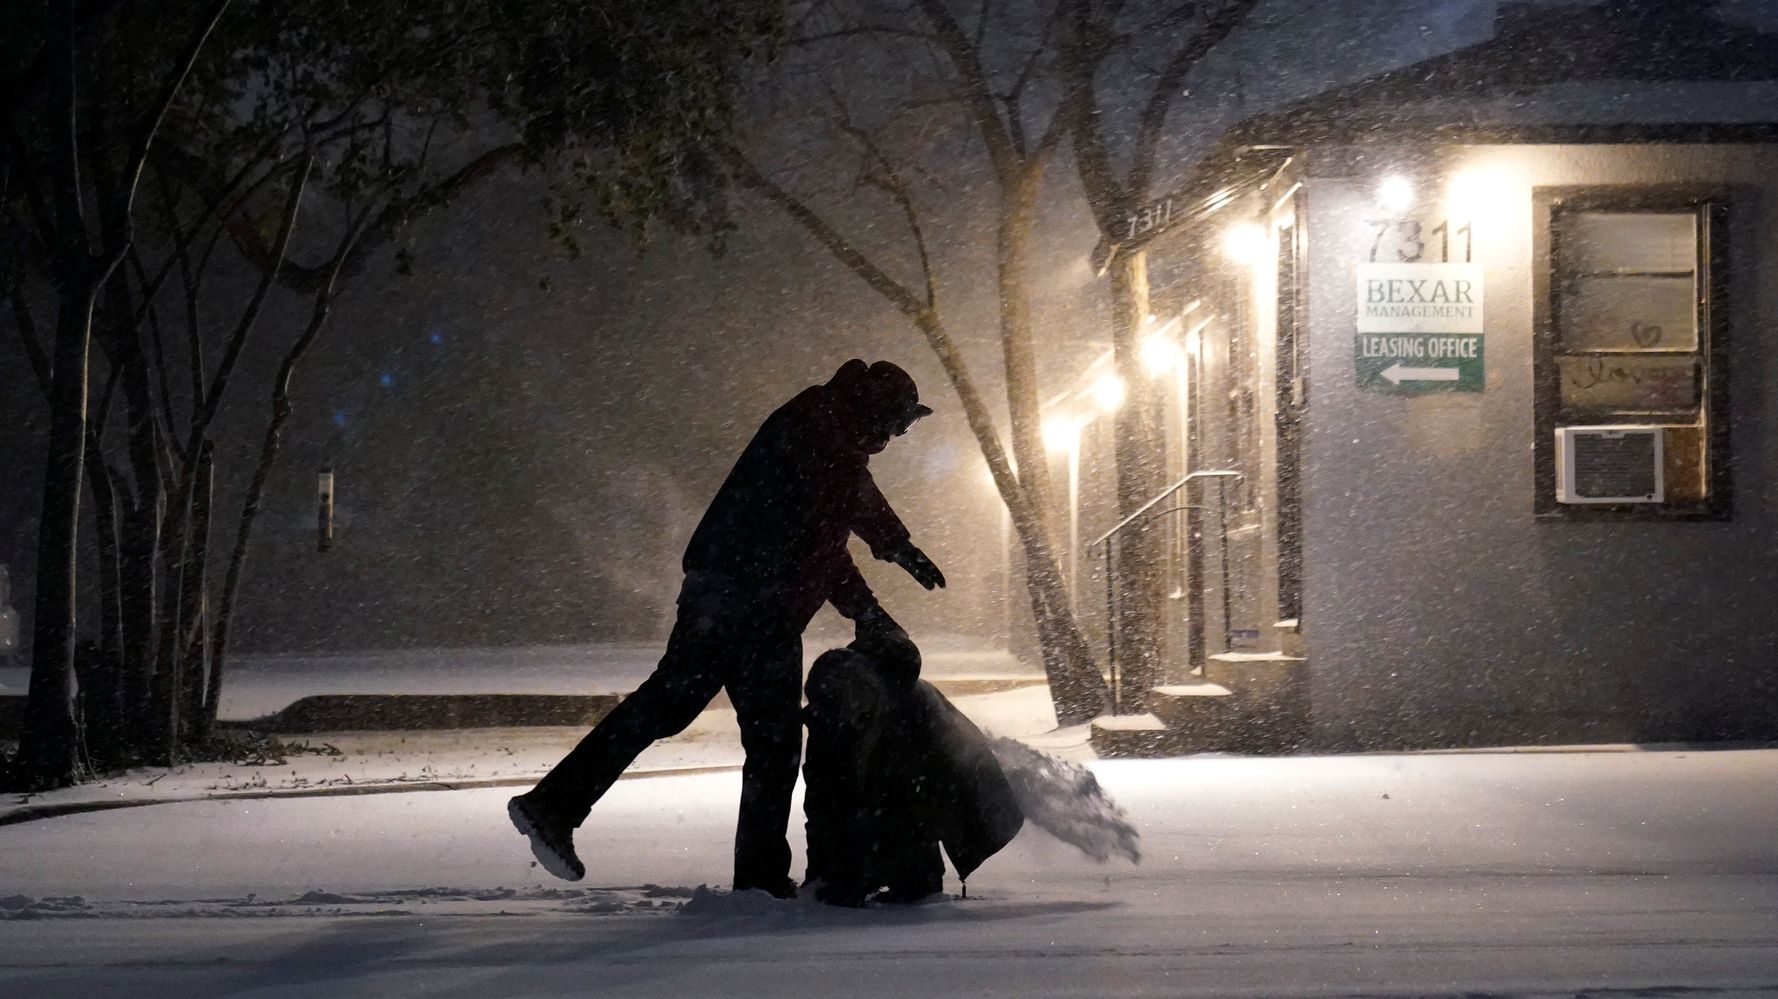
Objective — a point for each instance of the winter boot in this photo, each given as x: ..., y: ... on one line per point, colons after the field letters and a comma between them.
x: 779, y: 888
x: 552, y: 839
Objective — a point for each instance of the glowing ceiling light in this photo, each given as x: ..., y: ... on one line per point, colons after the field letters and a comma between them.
x: 1395, y: 193
x: 1108, y: 392
x: 1245, y: 243
x: 1160, y: 353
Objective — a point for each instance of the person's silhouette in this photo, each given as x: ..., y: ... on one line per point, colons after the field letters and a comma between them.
x: 769, y: 551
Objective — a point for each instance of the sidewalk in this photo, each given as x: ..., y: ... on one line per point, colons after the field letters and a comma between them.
x: 257, y: 686
x: 359, y: 762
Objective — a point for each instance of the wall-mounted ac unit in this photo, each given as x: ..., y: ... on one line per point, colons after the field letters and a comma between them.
x: 1621, y: 464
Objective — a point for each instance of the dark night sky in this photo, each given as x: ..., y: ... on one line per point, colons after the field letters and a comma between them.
x: 521, y: 465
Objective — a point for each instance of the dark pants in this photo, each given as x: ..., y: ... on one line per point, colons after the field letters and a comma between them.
x: 722, y: 639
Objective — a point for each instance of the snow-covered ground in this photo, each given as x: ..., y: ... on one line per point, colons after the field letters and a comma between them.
x: 368, y: 762
x: 261, y: 685
x: 1531, y: 874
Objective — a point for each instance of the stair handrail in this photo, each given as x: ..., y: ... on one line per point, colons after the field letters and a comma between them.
x: 1111, y: 663
x: 1205, y: 473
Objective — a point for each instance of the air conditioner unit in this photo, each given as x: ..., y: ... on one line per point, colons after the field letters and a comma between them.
x: 1621, y: 464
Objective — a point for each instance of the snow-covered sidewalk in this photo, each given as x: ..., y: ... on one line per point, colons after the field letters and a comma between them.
x: 1537, y: 874
x: 260, y: 685
x: 448, y: 759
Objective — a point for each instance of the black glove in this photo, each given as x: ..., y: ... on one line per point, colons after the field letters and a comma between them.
x: 917, y: 565
x: 875, y: 625
x: 891, y: 652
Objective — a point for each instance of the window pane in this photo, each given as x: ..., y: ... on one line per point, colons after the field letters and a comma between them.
x: 1628, y: 383
x: 1619, y: 242
x: 1629, y: 313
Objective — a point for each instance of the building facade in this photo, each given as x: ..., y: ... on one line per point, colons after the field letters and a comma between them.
x: 1489, y: 343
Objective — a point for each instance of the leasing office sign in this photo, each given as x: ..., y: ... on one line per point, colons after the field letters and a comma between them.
x: 1419, y: 328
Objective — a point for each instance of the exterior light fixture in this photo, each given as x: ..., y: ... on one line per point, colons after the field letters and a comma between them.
x: 1108, y: 392
x: 1474, y: 190
x: 1160, y: 354
x: 1244, y: 243
x: 1194, y: 342
x: 1395, y: 193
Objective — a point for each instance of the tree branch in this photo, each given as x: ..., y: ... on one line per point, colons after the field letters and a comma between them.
x: 308, y: 279
x: 1160, y: 102
x: 889, y: 181
x: 212, y: 396
x: 158, y: 357
x: 40, y: 366
x: 144, y: 139
x: 231, y: 586
x: 966, y: 60
x: 749, y: 176
x: 1081, y: 58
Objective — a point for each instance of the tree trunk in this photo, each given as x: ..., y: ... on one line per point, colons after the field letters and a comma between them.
x: 168, y: 678
x: 1022, y: 401
x: 101, y: 694
x: 1140, y: 598
x: 140, y: 592
x: 1076, y: 685
x: 194, y: 639
x: 49, y: 753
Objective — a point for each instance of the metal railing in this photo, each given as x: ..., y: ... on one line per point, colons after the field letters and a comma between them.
x: 1140, y: 517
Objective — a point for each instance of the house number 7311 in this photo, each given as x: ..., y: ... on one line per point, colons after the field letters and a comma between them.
x: 1408, y: 240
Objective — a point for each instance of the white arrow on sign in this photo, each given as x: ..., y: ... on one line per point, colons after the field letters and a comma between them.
x: 1398, y: 374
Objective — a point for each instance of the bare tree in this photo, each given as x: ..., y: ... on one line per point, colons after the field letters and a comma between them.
x: 1099, y: 32
x: 984, y: 73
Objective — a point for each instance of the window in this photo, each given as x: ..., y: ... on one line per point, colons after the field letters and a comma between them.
x: 1630, y: 334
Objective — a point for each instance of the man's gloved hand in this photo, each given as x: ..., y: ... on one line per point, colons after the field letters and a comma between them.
x: 876, y: 625
x: 917, y: 565
x: 893, y: 654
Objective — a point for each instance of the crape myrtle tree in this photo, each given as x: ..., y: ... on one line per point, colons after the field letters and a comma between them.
x: 172, y: 174
x: 930, y: 104
x: 1124, y: 68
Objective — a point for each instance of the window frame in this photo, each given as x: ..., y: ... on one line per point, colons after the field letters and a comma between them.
x: 1711, y: 206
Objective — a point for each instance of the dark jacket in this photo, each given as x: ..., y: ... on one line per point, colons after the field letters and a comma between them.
x: 780, y: 523
x: 893, y: 771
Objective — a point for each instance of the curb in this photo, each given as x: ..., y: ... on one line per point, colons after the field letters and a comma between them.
x: 33, y: 813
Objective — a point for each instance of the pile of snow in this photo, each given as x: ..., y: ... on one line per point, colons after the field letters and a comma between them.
x: 1065, y: 800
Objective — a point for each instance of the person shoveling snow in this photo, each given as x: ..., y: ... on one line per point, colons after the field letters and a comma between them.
x: 770, y: 550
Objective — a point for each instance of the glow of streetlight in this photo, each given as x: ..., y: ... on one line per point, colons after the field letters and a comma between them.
x: 1108, y: 392
x: 1244, y: 243
x: 1061, y: 432
x: 1395, y: 193
x: 1159, y: 353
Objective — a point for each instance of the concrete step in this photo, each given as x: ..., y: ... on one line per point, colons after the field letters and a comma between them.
x: 1255, y: 674
x: 1195, y: 710
x: 1271, y: 698
x: 1291, y: 640
x: 1144, y: 736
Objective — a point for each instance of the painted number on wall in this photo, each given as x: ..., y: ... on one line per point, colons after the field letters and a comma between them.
x: 1409, y: 241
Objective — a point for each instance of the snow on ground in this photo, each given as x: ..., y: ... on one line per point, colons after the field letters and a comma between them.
x: 1510, y: 875
x: 369, y: 761
x: 259, y: 685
